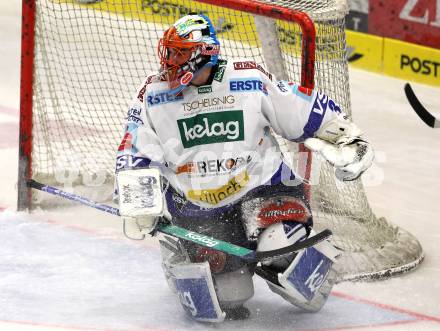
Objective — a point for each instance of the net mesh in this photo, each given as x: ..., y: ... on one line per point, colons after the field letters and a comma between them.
x: 92, y: 55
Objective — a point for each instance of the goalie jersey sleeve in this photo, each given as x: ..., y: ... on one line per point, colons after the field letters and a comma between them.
x: 140, y: 146
x: 296, y: 112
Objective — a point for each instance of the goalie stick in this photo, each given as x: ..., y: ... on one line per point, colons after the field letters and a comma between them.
x: 200, y: 239
x: 423, y: 113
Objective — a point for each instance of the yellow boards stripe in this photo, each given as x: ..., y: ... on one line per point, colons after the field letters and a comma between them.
x: 392, y: 57
x: 364, y: 51
x: 412, y: 62
x: 229, y: 24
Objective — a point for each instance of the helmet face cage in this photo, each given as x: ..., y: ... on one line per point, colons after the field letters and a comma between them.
x: 186, y: 47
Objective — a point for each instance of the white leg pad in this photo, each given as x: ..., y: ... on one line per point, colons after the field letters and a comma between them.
x: 195, y: 288
x: 308, y: 280
x: 313, y: 305
x: 172, y: 255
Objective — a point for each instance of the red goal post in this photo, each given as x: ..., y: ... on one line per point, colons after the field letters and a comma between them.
x: 282, y: 13
x: 26, y: 93
x: 83, y: 59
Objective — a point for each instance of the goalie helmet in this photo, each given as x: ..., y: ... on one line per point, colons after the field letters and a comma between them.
x: 185, y: 48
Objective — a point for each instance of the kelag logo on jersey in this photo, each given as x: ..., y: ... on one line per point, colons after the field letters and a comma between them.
x: 211, y: 128
x: 204, y: 89
x: 247, y: 85
x: 162, y: 97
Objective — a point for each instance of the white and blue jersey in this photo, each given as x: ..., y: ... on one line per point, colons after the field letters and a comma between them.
x: 212, y: 142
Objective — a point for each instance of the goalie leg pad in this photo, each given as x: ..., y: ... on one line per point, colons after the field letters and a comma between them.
x: 307, y: 277
x: 311, y: 306
x: 308, y: 272
x: 232, y: 288
x: 195, y: 289
x: 172, y: 254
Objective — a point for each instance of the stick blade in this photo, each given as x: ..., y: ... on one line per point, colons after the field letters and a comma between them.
x: 309, y: 242
x: 421, y: 111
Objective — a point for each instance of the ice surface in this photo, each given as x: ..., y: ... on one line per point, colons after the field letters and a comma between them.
x: 51, y: 274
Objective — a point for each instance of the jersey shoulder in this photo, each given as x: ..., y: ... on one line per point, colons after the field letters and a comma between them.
x: 248, y: 67
x: 153, y: 80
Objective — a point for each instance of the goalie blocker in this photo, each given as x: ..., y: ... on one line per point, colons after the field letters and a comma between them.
x: 140, y: 200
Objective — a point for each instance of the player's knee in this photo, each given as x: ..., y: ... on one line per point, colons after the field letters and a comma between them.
x: 234, y: 288
x: 232, y: 277
x: 304, y: 278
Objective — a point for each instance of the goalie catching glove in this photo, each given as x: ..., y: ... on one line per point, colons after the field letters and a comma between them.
x: 339, y: 142
x: 140, y: 200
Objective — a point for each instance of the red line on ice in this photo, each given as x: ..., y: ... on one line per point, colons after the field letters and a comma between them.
x: 369, y: 326
x: 388, y: 307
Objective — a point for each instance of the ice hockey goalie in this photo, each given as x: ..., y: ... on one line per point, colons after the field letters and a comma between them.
x: 197, y: 147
